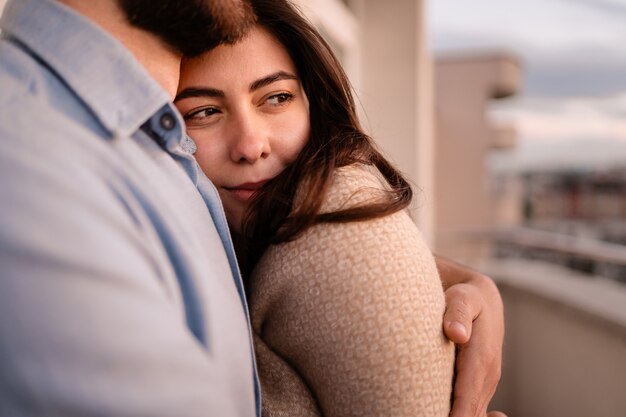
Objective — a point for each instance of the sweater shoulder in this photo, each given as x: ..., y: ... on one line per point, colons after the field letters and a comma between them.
x: 355, y: 253
x: 353, y: 186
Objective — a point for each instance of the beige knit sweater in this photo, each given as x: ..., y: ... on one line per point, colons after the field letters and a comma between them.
x: 347, y: 318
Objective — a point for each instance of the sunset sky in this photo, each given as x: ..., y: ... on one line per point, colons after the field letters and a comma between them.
x: 572, y: 109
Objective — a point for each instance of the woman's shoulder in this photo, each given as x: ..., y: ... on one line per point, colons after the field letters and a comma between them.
x: 352, y: 186
x: 391, y: 242
x: 355, y: 185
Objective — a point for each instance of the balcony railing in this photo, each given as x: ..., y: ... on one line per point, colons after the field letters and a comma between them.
x: 560, y: 243
x: 565, y: 343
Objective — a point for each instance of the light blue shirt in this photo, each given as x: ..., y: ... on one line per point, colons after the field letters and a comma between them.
x: 119, y: 289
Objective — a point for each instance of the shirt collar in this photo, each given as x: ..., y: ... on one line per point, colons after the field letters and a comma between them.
x: 96, y: 66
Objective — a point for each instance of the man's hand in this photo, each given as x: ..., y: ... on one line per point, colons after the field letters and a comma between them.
x: 474, y: 321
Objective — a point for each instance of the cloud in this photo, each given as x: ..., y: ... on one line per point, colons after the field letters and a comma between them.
x: 538, y: 23
x: 611, y: 7
x: 584, y: 70
x: 569, y: 47
x: 572, y: 154
x: 554, y: 119
x: 572, y: 109
x: 581, y: 133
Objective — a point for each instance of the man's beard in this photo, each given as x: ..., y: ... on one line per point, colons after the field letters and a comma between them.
x: 191, y: 27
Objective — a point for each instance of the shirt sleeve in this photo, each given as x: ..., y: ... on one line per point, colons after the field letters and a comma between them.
x: 356, y: 309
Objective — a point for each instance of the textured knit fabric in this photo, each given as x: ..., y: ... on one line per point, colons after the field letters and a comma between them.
x: 347, y: 319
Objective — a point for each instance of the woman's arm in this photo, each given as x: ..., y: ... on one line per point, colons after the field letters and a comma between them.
x: 474, y: 320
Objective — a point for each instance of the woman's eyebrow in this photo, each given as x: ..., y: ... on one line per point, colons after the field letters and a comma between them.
x: 214, y: 92
x: 199, y: 92
x: 277, y: 76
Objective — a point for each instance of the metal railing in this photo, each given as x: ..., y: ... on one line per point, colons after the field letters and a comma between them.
x: 591, y: 249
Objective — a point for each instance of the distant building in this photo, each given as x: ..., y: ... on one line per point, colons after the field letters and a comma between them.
x: 595, y: 196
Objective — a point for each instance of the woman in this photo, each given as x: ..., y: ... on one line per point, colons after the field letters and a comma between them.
x: 345, y: 299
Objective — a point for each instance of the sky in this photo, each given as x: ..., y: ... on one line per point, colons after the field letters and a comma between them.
x: 572, y: 108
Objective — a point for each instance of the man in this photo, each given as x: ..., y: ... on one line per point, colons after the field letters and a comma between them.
x: 119, y: 289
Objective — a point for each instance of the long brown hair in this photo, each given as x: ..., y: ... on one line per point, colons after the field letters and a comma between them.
x: 336, y: 140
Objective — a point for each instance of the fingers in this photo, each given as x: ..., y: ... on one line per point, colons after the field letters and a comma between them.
x: 478, y: 369
x: 456, y: 331
x: 472, y: 393
x: 468, y: 388
x: 474, y: 320
x: 464, y: 304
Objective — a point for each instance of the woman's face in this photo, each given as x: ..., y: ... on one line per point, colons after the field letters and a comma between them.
x: 245, y: 108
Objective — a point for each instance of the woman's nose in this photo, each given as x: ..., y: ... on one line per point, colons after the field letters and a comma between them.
x: 250, y: 141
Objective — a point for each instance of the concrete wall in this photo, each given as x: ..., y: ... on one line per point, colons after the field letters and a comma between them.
x: 464, y: 138
x: 396, y: 91
x: 339, y: 25
x: 565, y: 347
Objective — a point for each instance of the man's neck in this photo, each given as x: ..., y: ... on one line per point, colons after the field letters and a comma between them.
x: 161, y: 62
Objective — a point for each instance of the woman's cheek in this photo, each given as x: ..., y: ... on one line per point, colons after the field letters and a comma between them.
x: 209, y: 154
x: 206, y: 158
x: 299, y: 137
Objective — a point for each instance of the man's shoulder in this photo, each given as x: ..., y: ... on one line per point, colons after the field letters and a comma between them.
x: 31, y: 127
x: 32, y: 98
x: 44, y: 145
x: 18, y: 71
x: 39, y: 116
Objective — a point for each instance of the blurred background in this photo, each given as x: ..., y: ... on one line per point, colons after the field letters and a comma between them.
x: 509, y: 117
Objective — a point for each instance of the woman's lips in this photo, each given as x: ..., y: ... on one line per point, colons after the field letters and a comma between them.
x: 244, y: 192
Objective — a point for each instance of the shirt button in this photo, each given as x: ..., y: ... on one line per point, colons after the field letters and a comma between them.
x: 189, y: 145
x: 167, y: 121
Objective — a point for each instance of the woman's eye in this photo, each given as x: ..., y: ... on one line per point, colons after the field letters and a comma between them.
x: 278, y: 99
x: 200, y: 114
